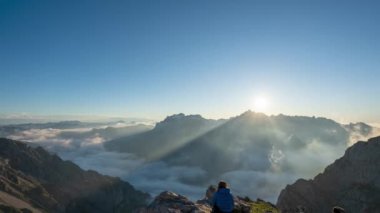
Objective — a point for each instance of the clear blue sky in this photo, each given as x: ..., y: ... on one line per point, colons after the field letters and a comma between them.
x: 159, y: 57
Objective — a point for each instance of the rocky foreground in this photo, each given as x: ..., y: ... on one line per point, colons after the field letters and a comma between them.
x: 352, y: 182
x: 169, y: 202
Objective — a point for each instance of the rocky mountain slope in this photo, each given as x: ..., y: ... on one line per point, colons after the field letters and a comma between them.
x: 352, y: 182
x: 34, y: 180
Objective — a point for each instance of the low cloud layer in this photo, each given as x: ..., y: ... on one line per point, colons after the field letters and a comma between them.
x: 84, y: 146
x: 88, y: 153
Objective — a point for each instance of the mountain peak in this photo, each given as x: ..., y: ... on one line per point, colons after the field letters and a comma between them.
x: 180, y: 116
x: 250, y: 113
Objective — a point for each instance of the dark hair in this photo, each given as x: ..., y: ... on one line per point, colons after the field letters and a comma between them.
x: 222, y: 184
x: 338, y: 209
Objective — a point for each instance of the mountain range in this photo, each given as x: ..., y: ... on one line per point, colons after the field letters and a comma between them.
x: 167, y: 136
x: 250, y: 145
x: 257, y: 154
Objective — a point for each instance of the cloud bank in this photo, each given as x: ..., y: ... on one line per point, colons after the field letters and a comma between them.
x: 84, y: 146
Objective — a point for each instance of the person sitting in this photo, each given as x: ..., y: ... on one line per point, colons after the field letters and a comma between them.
x: 338, y: 209
x: 222, y: 201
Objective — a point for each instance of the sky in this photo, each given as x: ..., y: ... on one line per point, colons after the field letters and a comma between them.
x: 215, y: 58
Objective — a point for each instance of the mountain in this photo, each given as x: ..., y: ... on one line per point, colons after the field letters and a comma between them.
x: 360, y: 128
x: 257, y: 142
x: 110, y: 129
x: 256, y: 153
x: 361, y: 131
x: 171, y: 134
x: 351, y: 182
x: 33, y: 179
x: 108, y: 133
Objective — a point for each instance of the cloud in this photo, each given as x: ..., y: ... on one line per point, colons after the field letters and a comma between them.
x: 84, y: 147
x: 263, y: 173
x: 258, y: 184
x: 158, y: 176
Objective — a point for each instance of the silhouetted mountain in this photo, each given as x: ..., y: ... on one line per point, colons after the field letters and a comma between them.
x: 33, y: 179
x: 255, y: 142
x: 351, y: 182
x: 171, y: 134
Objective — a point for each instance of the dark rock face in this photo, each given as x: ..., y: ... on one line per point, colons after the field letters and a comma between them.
x: 351, y: 182
x: 53, y: 185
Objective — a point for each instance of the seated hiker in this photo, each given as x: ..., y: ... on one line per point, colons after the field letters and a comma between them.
x: 338, y: 209
x: 222, y: 201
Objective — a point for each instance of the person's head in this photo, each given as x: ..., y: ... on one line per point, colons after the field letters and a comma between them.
x: 222, y: 185
x: 338, y: 209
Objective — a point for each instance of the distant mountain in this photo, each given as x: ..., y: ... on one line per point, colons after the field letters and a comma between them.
x: 108, y: 133
x: 361, y: 131
x: 55, y: 125
x: 257, y: 142
x: 167, y: 136
x: 351, y: 182
x: 33, y: 179
x: 360, y: 128
x: 6, y: 130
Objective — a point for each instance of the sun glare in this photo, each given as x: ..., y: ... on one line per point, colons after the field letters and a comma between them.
x: 260, y: 104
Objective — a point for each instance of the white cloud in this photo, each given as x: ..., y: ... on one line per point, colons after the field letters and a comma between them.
x: 287, y: 163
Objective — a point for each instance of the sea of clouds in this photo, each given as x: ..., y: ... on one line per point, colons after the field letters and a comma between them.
x: 85, y: 147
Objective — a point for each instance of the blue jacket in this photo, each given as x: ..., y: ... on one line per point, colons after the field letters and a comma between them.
x: 223, y: 200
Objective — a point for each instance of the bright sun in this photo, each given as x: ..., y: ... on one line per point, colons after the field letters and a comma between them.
x: 260, y: 104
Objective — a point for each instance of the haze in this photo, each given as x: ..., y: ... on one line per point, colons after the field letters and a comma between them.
x: 150, y: 59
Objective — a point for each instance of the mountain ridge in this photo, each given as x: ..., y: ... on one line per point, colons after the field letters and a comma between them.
x: 61, y: 186
x: 171, y: 133
x: 352, y: 182
x: 248, y: 146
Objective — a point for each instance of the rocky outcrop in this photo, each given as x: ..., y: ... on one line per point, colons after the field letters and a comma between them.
x: 175, y: 203
x: 32, y: 176
x: 352, y: 182
x: 171, y: 202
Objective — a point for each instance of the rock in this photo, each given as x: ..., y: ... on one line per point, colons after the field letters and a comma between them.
x: 208, y: 196
x: 37, y: 179
x: 170, y: 202
x: 350, y: 182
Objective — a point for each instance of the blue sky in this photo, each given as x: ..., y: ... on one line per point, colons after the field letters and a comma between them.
x: 155, y: 58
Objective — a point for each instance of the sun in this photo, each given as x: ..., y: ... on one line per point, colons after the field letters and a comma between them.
x: 260, y: 103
